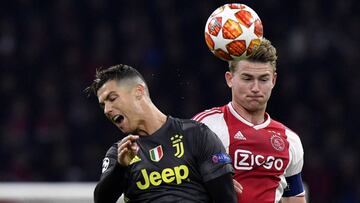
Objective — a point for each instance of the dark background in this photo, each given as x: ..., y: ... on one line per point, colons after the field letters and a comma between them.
x: 49, y: 50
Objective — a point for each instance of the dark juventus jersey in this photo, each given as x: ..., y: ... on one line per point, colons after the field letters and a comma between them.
x: 172, y: 164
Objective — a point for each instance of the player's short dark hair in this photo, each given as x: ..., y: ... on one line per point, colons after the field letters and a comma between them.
x: 266, y: 52
x: 116, y: 72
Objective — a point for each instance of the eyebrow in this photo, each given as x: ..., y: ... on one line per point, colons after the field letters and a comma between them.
x: 106, y: 98
x: 260, y: 76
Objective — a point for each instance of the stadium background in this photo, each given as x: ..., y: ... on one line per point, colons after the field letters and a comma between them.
x: 49, y: 50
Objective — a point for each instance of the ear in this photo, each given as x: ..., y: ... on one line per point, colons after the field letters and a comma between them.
x: 274, y: 79
x: 228, y: 78
x: 139, y: 91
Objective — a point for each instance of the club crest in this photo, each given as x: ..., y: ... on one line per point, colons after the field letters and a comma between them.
x: 177, y: 143
x: 277, y: 142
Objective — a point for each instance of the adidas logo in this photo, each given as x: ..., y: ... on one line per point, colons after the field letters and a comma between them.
x: 135, y: 159
x: 239, y: 136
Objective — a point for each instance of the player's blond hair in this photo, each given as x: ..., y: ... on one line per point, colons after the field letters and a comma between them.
x: 266, y: 52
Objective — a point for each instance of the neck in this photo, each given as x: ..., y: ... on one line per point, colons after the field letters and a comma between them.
x: 255, y: 117
x: 152, y: 120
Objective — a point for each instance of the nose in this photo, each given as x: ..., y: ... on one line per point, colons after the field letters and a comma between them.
x: 107, y: 109
x: 255, y: 86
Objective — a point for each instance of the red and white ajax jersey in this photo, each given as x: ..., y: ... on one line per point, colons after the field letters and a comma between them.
x: 263, y: 155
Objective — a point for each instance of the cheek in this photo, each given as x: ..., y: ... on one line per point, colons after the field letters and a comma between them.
x: 240, y: 87
x: 268, y: 89
x: 121, y: 104
x: 132, y: 106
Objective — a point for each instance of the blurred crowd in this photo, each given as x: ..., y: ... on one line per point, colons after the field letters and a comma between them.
x: 49, y: 51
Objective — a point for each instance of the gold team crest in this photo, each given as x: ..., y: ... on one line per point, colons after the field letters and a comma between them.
x: 178, y: 145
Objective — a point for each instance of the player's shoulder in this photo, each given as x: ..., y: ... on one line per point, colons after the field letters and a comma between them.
x: 291, y: 135
x: 190, y: 127
x: 278, y: 124
x: 186, y: 124
x: 112, y: 151
x: 208, y: 112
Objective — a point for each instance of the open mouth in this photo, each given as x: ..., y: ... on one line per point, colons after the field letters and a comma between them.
x: 117, y: 118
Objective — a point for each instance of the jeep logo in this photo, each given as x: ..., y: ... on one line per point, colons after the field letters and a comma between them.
x: 168, y: 175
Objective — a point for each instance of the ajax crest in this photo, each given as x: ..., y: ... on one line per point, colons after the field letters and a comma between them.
x: 277, y: 142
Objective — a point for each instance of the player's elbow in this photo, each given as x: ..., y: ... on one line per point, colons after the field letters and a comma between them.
x: 105, y: 195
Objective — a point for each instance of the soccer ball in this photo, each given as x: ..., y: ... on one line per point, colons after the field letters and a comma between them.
x: 233, y: 32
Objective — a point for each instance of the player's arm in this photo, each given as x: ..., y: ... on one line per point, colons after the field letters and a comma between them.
x: 111, y: 184
x: 293, y: 199
x: 112, y: 181
x: 215, y: 166
x: 221, y: 189
x: 294, y: 192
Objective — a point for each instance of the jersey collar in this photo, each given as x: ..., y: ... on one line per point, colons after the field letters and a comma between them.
x: 242, y: 119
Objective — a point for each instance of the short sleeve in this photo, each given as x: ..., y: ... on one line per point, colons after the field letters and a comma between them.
x: 296, y: 154
x: 109, y: 161
x: 211, y: 154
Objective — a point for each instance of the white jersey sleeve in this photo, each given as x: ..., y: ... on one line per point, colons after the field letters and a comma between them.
x: 217, y: 124
x: 296, y: 153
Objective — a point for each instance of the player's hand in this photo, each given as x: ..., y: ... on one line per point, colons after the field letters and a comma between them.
x: 127, y: 149
x: 238, y: 187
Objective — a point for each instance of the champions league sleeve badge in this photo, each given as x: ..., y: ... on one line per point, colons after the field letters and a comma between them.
x: 221, y: 158
x: 105, y: 164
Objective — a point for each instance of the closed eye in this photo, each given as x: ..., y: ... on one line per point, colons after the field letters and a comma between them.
x: 246, y: 78
x: 112, y: 98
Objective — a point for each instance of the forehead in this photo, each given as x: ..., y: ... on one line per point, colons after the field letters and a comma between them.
x: 107, y: 88
x: 254, y: 67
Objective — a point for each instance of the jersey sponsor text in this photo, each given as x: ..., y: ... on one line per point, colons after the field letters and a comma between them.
x: 246, y: 160
x: 167, y: 175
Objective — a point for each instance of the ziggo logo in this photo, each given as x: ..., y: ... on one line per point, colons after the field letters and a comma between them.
x: 246, y: 160
x: 168, y: 175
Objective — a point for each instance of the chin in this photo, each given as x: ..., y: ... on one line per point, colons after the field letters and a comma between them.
x: 127, y: 131
x: 253, y: 109
x: 121, y: 129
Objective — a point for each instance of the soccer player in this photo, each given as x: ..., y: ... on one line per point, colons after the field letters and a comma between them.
x: 163, y: 159
x: 267, y: 156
